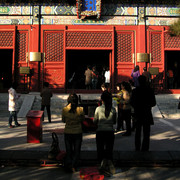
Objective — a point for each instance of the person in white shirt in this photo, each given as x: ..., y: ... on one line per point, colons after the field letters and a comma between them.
x: 12, y: 106
x: 107, y: 76
x: 105, y: 118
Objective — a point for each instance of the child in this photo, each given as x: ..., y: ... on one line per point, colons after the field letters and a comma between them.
x: 13, y: 97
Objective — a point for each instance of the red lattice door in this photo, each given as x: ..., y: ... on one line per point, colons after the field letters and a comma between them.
x: 21, y: 59
x: 54, y: 68
x: 124, y: 55
x: 156, y: 59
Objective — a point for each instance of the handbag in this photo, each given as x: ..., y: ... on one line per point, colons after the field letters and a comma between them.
x: 54, y: 151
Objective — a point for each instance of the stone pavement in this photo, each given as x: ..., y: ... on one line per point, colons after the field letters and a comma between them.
x: 164, y: 146
x: 57, y: 173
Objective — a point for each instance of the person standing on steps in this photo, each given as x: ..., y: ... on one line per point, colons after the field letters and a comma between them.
x: 88, y: 78
x: 135, y: 74
x: 147, y: 74
x: 170, y: 78
x: 142, y: 100
x: 46, y: 95
x: 117, y: 97
x: 95, y: 75
x: 12, y: 106
x: 126, y: 107
x: 107, y: 77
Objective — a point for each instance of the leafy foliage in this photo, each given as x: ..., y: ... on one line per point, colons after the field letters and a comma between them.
x: 175, y: 28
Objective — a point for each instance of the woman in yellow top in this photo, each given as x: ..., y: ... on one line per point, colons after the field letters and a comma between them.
x: 126, y: 107
x: 73, y: 116
x: 117, y: 97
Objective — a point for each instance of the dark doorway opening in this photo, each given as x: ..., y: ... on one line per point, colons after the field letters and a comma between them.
x: 5, y: 68
x: 77, y: 62
x: 173, y: 63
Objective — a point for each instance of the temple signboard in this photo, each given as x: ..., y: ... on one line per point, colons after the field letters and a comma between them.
x: 154, y: 70
x: 24, y: 70
x: 88, y: 8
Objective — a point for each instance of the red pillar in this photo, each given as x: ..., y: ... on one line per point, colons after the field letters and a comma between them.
x: 34, y: 47
x: 141, y: 44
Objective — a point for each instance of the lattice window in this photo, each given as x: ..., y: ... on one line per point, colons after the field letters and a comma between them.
x: 6, y: 39
x: 21, y: 45
x: 156, y: 44
x: 89, y: 39
x: 171, y: 41
x: 124, y: 47
x: 54, y: 46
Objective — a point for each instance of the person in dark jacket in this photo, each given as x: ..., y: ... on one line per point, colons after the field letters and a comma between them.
x: 147, y: 74
x: 142, y: 100
x: 46, y: 95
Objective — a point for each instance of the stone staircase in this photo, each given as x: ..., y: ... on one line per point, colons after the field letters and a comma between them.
x: 167, y: 103
x: 4, y: 104
x: 58, y: 101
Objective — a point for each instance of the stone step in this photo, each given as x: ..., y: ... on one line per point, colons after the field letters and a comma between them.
x: 4, y: 97
x: 4, y: 113
x: 166, y: 103
x: 26, y: 105
x: 56, y: 107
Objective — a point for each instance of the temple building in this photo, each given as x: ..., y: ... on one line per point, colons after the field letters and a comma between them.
x: 55, y: 40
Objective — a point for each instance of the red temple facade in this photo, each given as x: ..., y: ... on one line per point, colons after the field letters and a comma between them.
x: 54, y: 41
